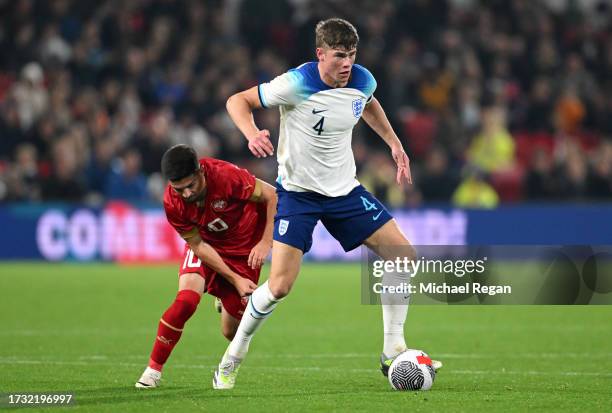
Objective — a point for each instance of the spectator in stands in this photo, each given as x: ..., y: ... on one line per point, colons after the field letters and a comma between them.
x: 540, y: 107
x: 438, y: 180
x: 599, y: 181
x: 10, y: 130
x: 148, y: 74
x: 66, y: 183
x: 22, y: 179
x: 99, y: 165
x: 154, y: 141
x: 573, y: 178
x: 126, y: 180
x: 569, y: 111
x: 492, y: 150
x: 540, y: 182
x: 436, y: 85
x: 30, y: 95
x: 474, y: 191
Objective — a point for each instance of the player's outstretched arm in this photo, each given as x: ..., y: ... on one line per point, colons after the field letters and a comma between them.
x: 207, y: 254
x: 240, y: 108
x: 264, y: 192
x: 374, y: 115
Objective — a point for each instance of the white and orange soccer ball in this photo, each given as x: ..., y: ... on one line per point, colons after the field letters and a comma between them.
x: 411, y: 370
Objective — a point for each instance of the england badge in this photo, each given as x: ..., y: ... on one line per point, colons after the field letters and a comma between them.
x: 282, y: 226
x: 357, y: 107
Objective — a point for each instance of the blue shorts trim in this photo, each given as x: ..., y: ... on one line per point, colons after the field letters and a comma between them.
x: 350, y: 219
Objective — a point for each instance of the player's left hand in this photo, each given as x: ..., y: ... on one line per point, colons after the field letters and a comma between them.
x: 403, y: 164
x: 259, y: 253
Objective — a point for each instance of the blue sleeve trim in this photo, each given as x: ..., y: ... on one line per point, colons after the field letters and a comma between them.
x: 363, y: 80
x: 261, y: 99
x: 309, y: 80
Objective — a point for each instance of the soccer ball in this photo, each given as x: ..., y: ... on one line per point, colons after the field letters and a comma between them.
x: 411, y: 370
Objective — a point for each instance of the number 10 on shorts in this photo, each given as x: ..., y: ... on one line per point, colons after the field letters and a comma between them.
x: 191, y: 260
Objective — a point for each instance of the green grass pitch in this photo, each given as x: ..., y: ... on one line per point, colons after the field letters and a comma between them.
x: 88, y: 329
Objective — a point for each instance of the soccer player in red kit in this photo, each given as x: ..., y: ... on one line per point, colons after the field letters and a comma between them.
x: 226, y: 217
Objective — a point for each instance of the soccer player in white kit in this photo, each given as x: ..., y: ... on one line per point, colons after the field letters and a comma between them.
x: 320, y: 103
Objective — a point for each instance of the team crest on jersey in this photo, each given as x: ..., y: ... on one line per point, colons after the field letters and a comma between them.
x: 282, y: 226
x: 357, y: 107
x: 219, y: 204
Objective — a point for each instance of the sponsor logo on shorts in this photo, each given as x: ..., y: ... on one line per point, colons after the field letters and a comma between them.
x: 375, y: 217
x: 282, y: 226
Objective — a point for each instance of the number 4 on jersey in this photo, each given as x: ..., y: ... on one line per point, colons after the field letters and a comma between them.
x: 319, y: 125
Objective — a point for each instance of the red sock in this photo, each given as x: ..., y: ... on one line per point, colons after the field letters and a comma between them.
x: 171, y: 326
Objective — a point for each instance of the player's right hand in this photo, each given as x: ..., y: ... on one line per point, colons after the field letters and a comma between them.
x: 260, y: 144
x: 245, y: 286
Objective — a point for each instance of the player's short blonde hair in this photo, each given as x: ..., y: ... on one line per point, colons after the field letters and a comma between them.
x: 336, y: 33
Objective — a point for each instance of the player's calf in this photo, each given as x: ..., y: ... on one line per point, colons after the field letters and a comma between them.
x: 229, y: 325
x: 171, y: 325
x: 261, y: 304
x: 169, y: 331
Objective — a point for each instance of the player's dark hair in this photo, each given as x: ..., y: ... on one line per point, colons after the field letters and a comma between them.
x: 336, y: 33
x: 179, y: 162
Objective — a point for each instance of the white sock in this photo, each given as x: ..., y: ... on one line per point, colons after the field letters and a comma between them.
x: 395, y: 310
x: 260, y: 306
x: 394, y: 317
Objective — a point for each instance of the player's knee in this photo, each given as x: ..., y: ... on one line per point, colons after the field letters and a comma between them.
x: 186, y: 304
x: 279, y: 289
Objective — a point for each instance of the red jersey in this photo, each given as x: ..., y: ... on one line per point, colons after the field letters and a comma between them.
x: 226, y: 219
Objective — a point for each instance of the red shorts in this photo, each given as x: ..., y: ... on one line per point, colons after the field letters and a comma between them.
x: 217, y: 285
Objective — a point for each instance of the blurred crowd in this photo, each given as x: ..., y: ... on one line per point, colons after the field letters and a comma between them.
x: 495, y: 101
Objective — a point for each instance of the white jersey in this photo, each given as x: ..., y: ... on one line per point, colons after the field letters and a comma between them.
x: 316, y: 126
